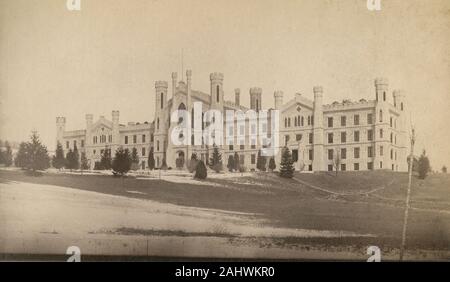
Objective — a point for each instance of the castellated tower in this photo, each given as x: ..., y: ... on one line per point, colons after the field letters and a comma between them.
x: 188, y: 90
x: 115, y: 132
x: 382, y: 133
x: 174, y: 83
x: 278, y: 95
x: 161, y: 118
x: 237, y: 96
x: 318, y: 162
x: 381, y: 88
x: 255, y: 98
x: 216, y: 91
x: 60, y: 128
x: 402, y: 125
x: 88, y: 142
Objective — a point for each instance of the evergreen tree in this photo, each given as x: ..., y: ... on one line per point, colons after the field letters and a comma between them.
x: 230, y: 164
x: 261, y: 162
x: 272, y: 164
x: 193, y: 163
x: 151, y: 159
x: 424, y: 165
x: 33, y: 155
x: 70, y: 160
x: 122, y: 162
x: 237, y: 162
x: 76, y: 158
x: 134, y: 159
x: 215, y: 162
x: 84, y: 161
x: 22, y: 156
x: 58, y: 160
x: 200, y: 170
x: 287, y: 165
x: 7, y: 157
x: 105, y: 159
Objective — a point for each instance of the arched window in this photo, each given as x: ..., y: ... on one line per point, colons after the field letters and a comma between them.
x: 217, y: 93
x: 381, y: 115
x: 157, y: 123
x: 162, y: 100
x: 384, y: 96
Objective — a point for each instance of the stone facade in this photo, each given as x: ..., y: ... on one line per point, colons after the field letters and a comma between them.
x: 363, y: 135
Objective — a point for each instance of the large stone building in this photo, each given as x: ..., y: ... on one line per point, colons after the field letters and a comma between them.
x: 362, y: 135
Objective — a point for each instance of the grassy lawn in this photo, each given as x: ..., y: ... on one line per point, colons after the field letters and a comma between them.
x: 287, y: 203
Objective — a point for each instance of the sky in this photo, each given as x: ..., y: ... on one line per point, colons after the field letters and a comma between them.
x: 107, y: 56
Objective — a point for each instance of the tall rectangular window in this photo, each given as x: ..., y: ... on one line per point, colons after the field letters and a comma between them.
x: 143, y: 152
x: 370, y: 135
x: 343, y: 137
x: 381, y: 150
x: 343, y: 153
x: 330, y: 154
x: 356, y: 166
x: 369, y: 119
x: 311, y: 137
x: 356, y: 120
x: 330, y: 122
x: 143, y: 138
x: 356, y: 136
x: 82, y: 143
x: 311, y: 154
x: 126, y: 139
x: 253, y: 157
x: 370, y: 152
x: 343, y: 121
x: 134, y: 139
x: 330, y: 138
x: 356, y: 153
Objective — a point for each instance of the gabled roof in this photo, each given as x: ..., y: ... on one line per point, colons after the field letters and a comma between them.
x: 102, y: 122
x: 298, y: 100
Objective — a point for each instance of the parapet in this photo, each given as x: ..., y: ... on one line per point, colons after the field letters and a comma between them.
x: 381, y: 81
x: 318, y: 91
x: 161, y: 84
x: 216, y: 76
x: 278, y: 94
x: 255, y: 90
x: 60, y: 120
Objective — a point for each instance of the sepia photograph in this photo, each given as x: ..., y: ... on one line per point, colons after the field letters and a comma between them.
x: 211, y: 130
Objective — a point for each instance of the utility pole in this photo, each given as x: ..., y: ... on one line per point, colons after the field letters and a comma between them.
x: 405, y: 219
